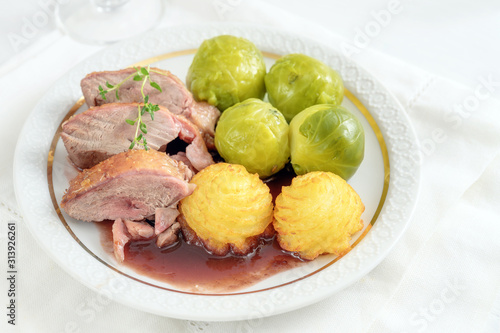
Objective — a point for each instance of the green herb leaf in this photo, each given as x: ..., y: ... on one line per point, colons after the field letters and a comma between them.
x: 103, y: 94
x: 155, y: 85
x: 143, y: 128
x: 141, y: 74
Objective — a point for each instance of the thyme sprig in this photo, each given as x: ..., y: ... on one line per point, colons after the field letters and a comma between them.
x: 141, y: 74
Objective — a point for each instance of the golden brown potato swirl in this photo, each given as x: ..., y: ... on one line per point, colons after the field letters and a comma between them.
x: 317, y: 214
x: 229, y: 209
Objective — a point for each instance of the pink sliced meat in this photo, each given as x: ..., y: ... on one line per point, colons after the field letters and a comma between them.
x: 139, y: 229
x: 181, y: 157
x: 174, y: 96
x: 125, y: 231
x: 169, y: 236
x: 165, y: 218
x: 129, y: 185
x: 120, y: 238
x: 101, y: 132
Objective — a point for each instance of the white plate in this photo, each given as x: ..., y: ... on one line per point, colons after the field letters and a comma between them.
x: 387, y: 182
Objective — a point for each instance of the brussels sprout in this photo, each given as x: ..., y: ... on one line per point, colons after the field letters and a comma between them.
x: 227, y: 70
x: 254, y: 134
x: 326, y: 137
x: 296, y: 82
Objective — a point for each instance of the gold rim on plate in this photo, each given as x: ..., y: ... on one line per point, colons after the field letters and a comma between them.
x: 347, y: 93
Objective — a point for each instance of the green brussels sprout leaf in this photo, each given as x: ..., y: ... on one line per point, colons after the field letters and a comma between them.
x: 326, y: 138
x: 227, y: 70
x: 296, y: 82
x: 254, y: 134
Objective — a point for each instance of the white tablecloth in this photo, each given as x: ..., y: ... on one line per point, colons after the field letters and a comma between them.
x: 443, y: 275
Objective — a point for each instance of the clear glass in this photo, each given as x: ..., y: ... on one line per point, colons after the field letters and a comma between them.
x: 107, y: 21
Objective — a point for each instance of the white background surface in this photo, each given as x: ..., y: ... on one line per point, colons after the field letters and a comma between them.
x: 455, y: 39
x: 444, y: 274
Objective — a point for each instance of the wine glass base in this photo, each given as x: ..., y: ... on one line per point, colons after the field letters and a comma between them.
x: 86, y: 22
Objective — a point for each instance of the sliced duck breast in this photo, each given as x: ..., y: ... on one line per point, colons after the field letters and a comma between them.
x: 129, y: 185
x: 101, y: 132
x: 174, y: 96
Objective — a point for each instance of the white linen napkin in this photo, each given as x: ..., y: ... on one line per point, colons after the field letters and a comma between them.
x: 442, y: 275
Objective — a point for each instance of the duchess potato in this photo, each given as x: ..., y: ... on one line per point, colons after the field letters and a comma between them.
x: 317, y: 214
x: 230, y: 210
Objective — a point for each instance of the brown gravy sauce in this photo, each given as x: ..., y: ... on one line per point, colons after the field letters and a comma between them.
x: 191, y: 268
